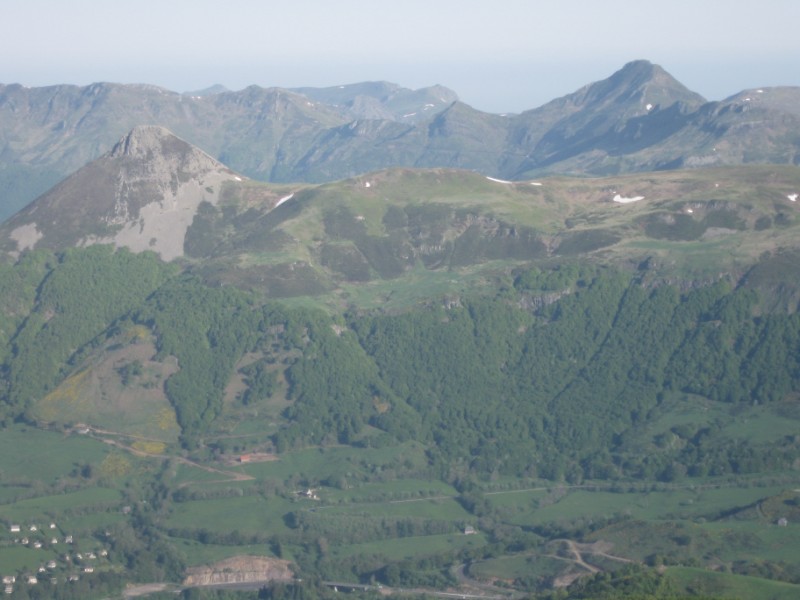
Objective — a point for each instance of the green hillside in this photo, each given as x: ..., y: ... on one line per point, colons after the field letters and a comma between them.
x: 605, y: 393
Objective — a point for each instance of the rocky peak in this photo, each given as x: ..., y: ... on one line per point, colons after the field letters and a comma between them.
x: 143, y: 195
x: 142, y: 142
x: 637, y: 81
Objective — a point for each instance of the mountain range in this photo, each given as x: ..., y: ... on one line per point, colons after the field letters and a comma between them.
x: 495, y: 380
x: 638, y: 119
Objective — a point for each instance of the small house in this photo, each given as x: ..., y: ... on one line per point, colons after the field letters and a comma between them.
x: 15, y: 528
x: 51, y: 564
x: 33, y: 528
x: 9, y: 579
x: 469, y: 530
x: 783, y: 522
x: 32, y: 580
x: 9, y: 589
x: 88, y: 569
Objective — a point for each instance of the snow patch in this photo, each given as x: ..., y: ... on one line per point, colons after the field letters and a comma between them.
x: 409, y: 115
x: 536, y: 183
x: 238, y: 178
x: 284, y: 199
x: 689, y: 210
x: 498, y: 180
x: 367, y: 184
x: 649, y: 107
x: 627, y: 200
x: 792, y: 197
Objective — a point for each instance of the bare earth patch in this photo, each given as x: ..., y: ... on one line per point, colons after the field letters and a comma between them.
x: 240, y: 569
x: 26, y: 236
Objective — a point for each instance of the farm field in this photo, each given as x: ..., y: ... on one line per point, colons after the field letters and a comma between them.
x: 335, y: 501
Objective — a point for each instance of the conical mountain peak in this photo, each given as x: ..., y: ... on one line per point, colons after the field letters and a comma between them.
x: 143, y: 195
x: 143, y: 140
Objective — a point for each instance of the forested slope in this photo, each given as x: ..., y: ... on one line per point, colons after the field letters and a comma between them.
x: 555, y: 375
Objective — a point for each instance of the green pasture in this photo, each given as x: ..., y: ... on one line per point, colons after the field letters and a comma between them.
x: 446, y: 509
x: 37, y: 510
x: 412, y: 547
x: 521, y: 565
x: 14, y: 559
x: 585, y: 504
x: 27, y: 453
x: 186, y: 474
x: 761, y: 426
x: 319, y: 464
x: 727, y: 585
x: 85, y: 524
x: 399, y: 489
x: 246, y: 514
x: 709, y: 502
x: 419, y: 284
x: 753, y: 540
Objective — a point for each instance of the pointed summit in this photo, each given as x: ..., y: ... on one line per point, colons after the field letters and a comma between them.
x: 143, y: 195
x: 659, y: 87
x: 143, y: 140
x: 638, y: 84
x: 593, y: 121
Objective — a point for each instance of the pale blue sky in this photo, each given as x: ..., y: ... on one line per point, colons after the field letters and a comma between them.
x: 503, y: 55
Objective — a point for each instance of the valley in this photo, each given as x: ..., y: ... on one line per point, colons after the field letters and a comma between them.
x: 369, y: 340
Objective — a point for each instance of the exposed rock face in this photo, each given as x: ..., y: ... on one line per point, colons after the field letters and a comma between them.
x: 142, y: 195
x: 240, y: 569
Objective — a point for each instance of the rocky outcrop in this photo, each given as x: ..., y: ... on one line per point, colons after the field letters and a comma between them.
x: 240, y: 569
x: 142, y: 195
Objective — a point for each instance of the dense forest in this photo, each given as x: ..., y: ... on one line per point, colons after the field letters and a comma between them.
x: 549, y: 376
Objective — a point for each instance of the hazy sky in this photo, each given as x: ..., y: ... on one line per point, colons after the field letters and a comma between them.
x: 498, y: 55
